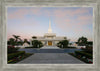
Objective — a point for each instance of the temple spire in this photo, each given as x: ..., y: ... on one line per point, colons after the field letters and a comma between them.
x: 49, y: 30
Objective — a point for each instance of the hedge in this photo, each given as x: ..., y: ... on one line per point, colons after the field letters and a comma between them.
x: 29, y: 47
x: 12, y: 49
x: 83, y: 54
x: 10, y: 61
x: 12, y: 55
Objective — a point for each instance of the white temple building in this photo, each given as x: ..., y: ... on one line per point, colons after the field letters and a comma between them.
x: 50, y: 39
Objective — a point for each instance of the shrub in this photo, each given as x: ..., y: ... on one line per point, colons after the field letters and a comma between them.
x: 71, y: 47
x: 83, y: 54
x: 88, y: 49
x: 28, y: 47
x: 12, y: 55
x: 10, y: 61
x: 12, y: 49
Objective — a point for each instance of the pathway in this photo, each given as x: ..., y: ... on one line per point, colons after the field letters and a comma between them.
x: 49, y: 54
x: 49, y: 49
x: 51, y: 58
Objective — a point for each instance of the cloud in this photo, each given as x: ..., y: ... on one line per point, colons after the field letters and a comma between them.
x: 21, y: 12
x: 80, y: 11
x: 73, y: 21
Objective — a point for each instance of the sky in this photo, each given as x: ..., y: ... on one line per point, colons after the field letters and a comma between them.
x: 72, y: 22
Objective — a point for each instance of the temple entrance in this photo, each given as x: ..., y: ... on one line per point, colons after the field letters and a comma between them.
x: 50, y: 43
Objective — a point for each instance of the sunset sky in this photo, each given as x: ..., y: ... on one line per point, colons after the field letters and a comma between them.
x: 72, y: 22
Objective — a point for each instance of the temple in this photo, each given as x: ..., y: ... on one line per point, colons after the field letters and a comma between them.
x: 50, y: 39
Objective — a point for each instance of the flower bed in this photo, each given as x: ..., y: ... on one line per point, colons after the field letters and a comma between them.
x: 20, y: 56
x: 12, y: 55
x: 83, y: 56
x: 82, y: 53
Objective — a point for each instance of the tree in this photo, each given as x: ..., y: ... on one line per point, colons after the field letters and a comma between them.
x: 70, y: 43
x: 26, y: 41
x: 11, y: 41
x: 37, y: 44
x: 34, y: 37
x: 20, y: 43
x: 63, y: 44
x: 82, y: 41
x: 65, y: 38
x: 16, y: 38
x: 90, y: 43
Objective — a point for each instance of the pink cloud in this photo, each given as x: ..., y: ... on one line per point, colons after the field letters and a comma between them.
x: 64, y: 19
x: 35, y: 11
x: 59, y: 13
x: 80, y: 11
x: 20, y: 13
x: 65, y: 13
x: 85, y: 18
x: 67, y: 25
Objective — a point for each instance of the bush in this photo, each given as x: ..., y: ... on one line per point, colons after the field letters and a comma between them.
x: 12, y: 55
x: 12, y: 49
x: 10, y: 61
x: 71, y: 47
x: 88, y: 49
x: 83, y: 54
x: 29, y: 47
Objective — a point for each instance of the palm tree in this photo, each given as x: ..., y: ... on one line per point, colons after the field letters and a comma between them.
x: 16, y: 38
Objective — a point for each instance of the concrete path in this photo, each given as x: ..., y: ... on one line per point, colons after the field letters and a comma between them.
x: 51, y: 58
x: 50, y: 47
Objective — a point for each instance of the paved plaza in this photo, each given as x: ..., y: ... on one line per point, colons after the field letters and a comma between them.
x: 59, y: 57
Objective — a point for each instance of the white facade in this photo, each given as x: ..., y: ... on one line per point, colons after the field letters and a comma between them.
x: 50, y: 39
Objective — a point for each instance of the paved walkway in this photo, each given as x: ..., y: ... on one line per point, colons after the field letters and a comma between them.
x: 49, y: 49
x: 51, y: 58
